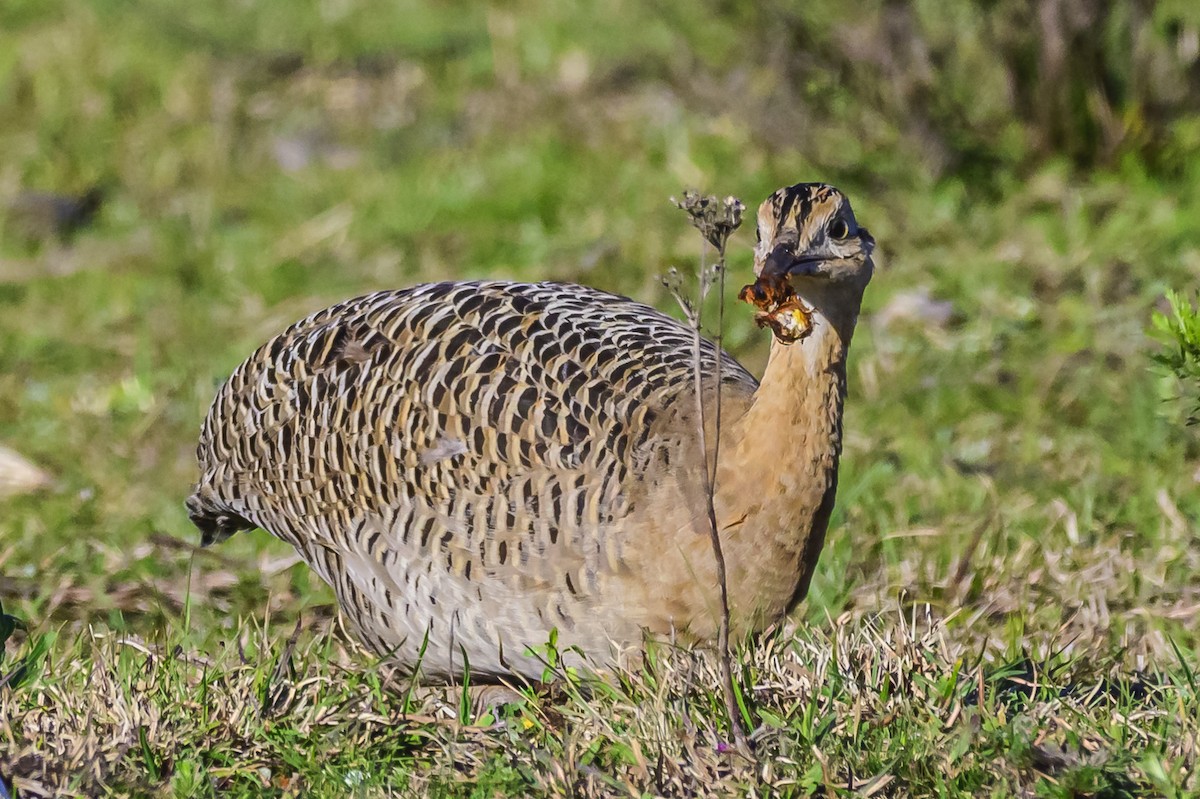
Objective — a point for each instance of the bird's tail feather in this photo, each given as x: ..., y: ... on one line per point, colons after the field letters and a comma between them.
x: 214, y: 518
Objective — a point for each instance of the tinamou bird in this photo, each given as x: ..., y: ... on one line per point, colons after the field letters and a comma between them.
x: 471, y: 465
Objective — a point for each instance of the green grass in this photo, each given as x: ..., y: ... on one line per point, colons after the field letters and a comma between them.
x: 1180, y: 330
x: 1008, y: 597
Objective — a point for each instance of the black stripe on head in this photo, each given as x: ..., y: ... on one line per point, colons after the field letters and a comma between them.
x: 789, y: 199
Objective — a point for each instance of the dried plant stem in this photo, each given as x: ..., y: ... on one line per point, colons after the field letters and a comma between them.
x: 710, y: 469
x: 716, y: 220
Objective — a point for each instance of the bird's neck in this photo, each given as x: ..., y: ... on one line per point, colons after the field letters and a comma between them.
x: 776, y: 481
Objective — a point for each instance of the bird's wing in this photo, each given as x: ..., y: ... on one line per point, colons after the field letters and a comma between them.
x: 487, y: 425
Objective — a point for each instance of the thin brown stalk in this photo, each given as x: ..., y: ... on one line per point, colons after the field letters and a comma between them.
x: 716, y: 232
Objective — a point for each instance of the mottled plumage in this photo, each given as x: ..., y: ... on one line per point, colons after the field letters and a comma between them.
x: 473, y: 464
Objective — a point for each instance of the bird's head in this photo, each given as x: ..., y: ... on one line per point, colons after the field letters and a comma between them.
x: 811, y: 257
x: 807, y: 233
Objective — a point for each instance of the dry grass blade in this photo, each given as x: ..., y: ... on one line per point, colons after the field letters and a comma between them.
x: 988, y: 522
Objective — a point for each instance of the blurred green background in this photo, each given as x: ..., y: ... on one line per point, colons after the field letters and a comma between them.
x: 1030, y: 170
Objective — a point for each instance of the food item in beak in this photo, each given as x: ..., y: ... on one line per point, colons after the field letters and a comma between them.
x: 779, y: 307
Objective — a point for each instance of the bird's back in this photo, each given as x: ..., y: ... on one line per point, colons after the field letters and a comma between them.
x: 464, y: 462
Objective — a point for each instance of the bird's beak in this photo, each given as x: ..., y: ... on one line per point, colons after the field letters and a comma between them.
x: 782, y: 262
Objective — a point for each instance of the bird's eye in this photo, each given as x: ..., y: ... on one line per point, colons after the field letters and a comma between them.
x: 838, y: 229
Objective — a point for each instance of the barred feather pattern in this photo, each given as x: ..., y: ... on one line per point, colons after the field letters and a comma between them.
x: 466, y: 463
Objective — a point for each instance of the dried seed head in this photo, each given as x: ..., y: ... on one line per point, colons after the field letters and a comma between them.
x: 716, y: 219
